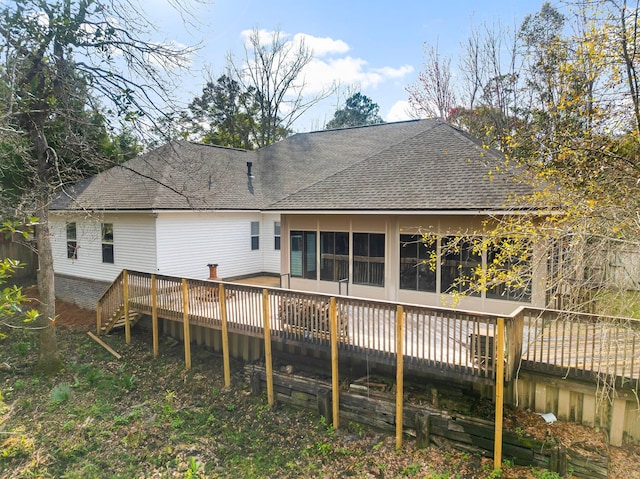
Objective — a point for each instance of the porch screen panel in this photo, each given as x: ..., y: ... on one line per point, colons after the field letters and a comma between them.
x: 334, y: 256
x: 368, y: 259
x: 302, y: 255
x: 459, y: 262
x: 415, y: 271
x: 295, y: 255
x: 310, y: 268
x: 515, y: 264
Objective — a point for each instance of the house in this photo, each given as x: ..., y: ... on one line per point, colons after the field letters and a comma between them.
x: 329, y: 210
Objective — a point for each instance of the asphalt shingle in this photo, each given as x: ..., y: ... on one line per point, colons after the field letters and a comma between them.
x: 413, y: 165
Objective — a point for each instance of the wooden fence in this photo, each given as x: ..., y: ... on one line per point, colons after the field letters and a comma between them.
x: 22, y: 252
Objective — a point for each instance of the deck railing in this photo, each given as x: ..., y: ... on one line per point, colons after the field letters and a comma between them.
x: 450, y: 342
x: 585, y: 346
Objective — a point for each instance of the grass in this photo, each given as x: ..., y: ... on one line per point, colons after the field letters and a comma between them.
x: 618, y: 303
x: 146, y: 417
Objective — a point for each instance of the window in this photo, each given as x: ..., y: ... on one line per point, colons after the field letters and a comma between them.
x: 276, y: 235
x: 107, y: 243
x: 368, y: 259
x: 303, y: 254
x: 255, y: 235
x: 459, y: 262
x: 334, y: 256
x: 72, y: 244
x: 415, y: 271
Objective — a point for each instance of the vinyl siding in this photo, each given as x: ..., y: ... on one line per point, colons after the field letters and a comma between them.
x: 267, y: 245
x: 187, y: 242
x: 134, y: 245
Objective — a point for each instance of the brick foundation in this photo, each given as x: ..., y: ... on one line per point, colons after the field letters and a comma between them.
x: 81, y: 291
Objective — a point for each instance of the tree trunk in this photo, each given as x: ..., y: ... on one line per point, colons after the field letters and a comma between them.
x: 49, y: 360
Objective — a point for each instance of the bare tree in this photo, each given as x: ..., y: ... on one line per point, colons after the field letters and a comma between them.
x: 489, y: 84
x: 273, y: 68
x: 61, y: 59
x: 433, y: 95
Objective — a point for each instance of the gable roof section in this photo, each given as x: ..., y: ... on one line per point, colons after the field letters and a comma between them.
x: 438, y: 168
x: 307, y: 158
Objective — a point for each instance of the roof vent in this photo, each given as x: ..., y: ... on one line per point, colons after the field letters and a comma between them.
x: 249, y: 165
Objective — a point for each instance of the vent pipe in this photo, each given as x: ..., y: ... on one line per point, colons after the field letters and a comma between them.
x: 249, y: 165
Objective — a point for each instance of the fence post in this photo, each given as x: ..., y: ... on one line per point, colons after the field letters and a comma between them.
x: 335, y: 378
x: 399, y: 374
x: 185, y: 323
x: 225, y: 336
x: 154, y: 315
x: 267, y: 346
x: 497, y: 448
x: 125, y: 300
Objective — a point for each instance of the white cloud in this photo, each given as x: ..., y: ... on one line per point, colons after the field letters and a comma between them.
x: 400, y: 111
x: 321, y: 46
x: 390, y: 72
x: 331, y: 65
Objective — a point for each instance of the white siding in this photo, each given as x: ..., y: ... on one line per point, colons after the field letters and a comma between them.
x: 134, y: 245
x: 267, y: 244
x: 188, y: 241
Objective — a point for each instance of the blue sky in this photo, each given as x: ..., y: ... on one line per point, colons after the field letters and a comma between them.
x: 375, y: 45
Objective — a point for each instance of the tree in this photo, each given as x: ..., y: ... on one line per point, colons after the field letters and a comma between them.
x: 225, y: 114
x: 433, y: 94
x: 489, y: 85
x: 358, y: 110
x: 61, y: 56
x: 562, y: 113
x: 273, y: 69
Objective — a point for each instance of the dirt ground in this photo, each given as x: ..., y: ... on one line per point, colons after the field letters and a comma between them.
x: 624, y: 462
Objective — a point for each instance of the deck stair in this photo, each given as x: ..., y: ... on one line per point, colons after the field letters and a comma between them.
x: 117, y: 319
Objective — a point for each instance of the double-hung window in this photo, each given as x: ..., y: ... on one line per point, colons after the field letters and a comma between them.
x: 276, y: 235
x: 368, y: 259
x: 417, y: 268
x: 334, y: 256
x: 302, y: 255
x: 72, y: 242
x: 255, y: 235
x: 107, y: 243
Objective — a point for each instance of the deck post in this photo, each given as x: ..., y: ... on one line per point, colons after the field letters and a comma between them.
x: 99, y: 318
x: 225, y: 336
x: 185, y: 323
x: 267, y: 346
x: 125, y: 300
x: 497, y: 448
x: 399, y: 374
x: 335, y: 378
x: 154, y: 315
x: 514, y: 336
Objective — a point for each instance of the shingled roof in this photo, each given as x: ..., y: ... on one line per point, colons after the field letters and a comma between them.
x: 414, y: 165
x: 177, y: 176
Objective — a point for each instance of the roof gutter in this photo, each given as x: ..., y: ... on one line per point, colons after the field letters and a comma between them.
x: 419, y: 212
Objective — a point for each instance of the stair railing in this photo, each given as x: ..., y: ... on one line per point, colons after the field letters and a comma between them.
x: 110, y: 301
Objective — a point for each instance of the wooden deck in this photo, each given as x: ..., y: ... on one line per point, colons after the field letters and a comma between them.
x: 447, y: 342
